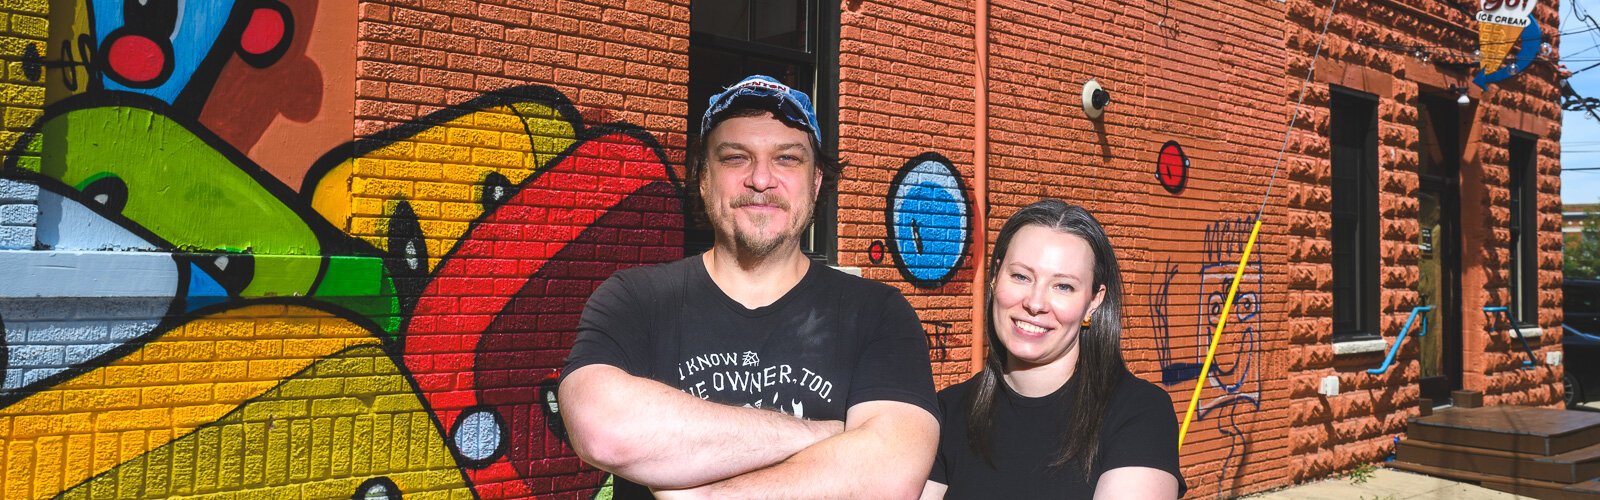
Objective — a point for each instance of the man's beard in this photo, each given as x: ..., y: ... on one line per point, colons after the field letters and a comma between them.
x: 751, y: 244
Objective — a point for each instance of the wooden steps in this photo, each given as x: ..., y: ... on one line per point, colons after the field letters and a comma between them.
x: 1587, y: 490
x: 1537, y: 452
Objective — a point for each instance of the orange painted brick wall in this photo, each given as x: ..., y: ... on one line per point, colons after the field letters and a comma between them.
x: 905, y: 89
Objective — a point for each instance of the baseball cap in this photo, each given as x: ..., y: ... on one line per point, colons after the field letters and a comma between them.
x: 764, y: 92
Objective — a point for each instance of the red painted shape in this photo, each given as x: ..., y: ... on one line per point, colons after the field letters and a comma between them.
x: 501, y: 312
x: 1172, y: 167
x: 136, y: 58
x: 875, y: 252
x: 264, y: 33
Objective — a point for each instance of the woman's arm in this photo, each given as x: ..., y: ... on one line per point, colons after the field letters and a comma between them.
x: 1140, y: 483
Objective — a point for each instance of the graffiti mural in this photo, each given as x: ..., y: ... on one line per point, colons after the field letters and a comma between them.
x: 385, y: 318
x: 212, y: 62
x: 1186, y: 309
x: 927, y: 219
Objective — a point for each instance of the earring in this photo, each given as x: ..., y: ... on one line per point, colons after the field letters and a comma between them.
x: 1085, y: 323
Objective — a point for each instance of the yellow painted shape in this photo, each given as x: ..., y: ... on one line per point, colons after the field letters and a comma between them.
x: 331, y: 196
x: 370, y: 424
x: 187, y: 378
x: 1495, y: 41
x: 68, y: 21
x: 443, y: 164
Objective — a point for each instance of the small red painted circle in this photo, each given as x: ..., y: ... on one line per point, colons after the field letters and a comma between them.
x: 1172, y: 167
x: 136, y: 58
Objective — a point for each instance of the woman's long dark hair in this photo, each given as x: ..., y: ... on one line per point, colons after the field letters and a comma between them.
x: 1100, y: 364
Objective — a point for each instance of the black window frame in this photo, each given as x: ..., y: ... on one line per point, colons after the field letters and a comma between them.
x: 1523, y: 166
x: 823, y: 57
x: 1353, y: 162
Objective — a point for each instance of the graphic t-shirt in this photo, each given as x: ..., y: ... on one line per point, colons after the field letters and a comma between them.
x: 1140, y: 430
x: 832, y: 341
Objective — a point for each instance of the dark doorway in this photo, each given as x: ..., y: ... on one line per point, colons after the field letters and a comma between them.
x: 1440, y: 127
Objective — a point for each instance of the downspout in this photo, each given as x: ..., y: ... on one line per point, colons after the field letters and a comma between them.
x: 980, y: 186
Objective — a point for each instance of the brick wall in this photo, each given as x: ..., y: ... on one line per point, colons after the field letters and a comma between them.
x: 1336, y: 433
x: 905, y: 113
x: 1173, y: 76
x: 23, y: 29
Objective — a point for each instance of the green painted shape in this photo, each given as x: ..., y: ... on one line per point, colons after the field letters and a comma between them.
x: 363, y: 285
x: 276, y: 274
x: 182, y: 189
x: 352, y: 276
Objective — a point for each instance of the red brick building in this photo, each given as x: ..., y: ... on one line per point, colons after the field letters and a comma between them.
x: 426, y: 192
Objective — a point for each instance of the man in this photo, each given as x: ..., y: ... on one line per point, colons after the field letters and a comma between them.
x: 677, y: 370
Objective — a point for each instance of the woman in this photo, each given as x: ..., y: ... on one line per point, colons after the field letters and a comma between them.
x: 1055, y: 412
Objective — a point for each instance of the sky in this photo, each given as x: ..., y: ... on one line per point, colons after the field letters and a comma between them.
x: 1580, y: 133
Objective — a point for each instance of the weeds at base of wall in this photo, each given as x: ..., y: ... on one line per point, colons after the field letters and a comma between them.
x: 1361, y: 473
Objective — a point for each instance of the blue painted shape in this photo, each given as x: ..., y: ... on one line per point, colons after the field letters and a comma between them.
x: 928, y: 221
x: 1394, y: 349
x: 1525, y: 56
x: 203, y: 290
x: 195, y: 35
x: 1178, y: 372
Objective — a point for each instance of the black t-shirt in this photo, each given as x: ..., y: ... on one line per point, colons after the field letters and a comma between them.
x: 832, y: 341
x: 1140, y: 430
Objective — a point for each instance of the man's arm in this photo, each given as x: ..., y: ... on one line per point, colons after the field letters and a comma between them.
x: 661, y: 437
x: 885, y: 451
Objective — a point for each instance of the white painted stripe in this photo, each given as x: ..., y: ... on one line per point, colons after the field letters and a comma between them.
x: 43, y: 273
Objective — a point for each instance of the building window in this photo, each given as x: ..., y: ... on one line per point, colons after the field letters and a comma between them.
x: 1524, y: 230
x: 794, y: 41
x: 1353, y: 136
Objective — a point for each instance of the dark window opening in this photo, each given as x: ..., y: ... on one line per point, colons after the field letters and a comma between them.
x: 1524, y: 230
x: 794, y: 41
x: 1354, y: 157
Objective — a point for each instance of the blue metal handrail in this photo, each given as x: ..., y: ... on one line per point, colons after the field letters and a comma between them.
x: 1580, y: 334
x: 1494, y: 326
x: 1389, y: 360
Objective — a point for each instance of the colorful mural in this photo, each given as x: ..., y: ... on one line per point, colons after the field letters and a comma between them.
x: 196, y: 321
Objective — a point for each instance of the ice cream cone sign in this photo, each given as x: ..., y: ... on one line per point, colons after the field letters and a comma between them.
x: 1500, y: 25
